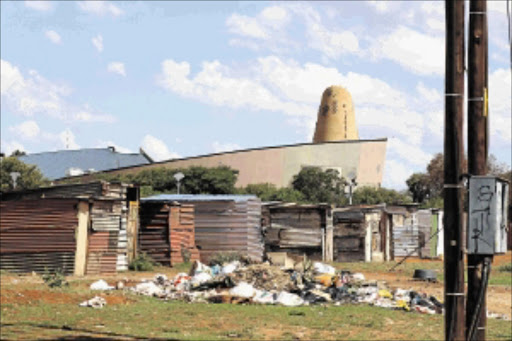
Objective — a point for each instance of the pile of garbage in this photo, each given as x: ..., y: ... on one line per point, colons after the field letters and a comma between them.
x: 263, y: 283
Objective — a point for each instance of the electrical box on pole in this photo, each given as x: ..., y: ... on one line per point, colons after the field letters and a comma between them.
x: 487, y: 215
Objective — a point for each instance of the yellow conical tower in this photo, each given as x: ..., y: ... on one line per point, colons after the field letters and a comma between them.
x: 336, y: 118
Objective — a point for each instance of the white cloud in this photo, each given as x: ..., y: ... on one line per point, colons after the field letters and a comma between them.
x: 98, y: 42
x: 224, y: 147
x: 53, y: 36
x: 499, y: 106
x: 157, y: 149
x: 34, y: 95
x: 86, y: 116
x: 429, y: 94
x: 117, y: 67
x: 42, y: 6
x: 246, y: 26
x: 380, y: 6
x: 28, y: 130
x: 276, y: 16
x: 214, y: 85
x: 295, y: 90
x: 395, y: 174
x: 120, y: 149
x: 418, y: 52
x: 67, y: 139
x: 99, y: 8
x: 407, y: 151
x: 8, y: 147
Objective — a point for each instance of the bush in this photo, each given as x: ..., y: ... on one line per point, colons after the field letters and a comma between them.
x: 505, y: 268
x: 54, y: 279
x: 142, y: 262
x: 226, y: 257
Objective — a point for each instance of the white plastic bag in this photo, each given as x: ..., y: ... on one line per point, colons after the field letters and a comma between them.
x: 200, y: 278
x: 243, y: 289
x: 96, y: 302
x: 230, y: 267
x: 101, y: 285
x: 148, y: 289
x: 321, y: 268
x: 264, y: 297
x: 288, y: 299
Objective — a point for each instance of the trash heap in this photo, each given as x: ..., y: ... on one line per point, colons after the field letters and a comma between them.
x: 305, y: 284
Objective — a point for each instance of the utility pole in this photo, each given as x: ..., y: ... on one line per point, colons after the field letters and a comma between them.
x: 453, y: 156
x: 477, y: 143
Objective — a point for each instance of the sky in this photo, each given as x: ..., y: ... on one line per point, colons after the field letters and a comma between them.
x: 182, y: 79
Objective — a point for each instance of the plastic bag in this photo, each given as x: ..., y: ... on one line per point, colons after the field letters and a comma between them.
x: 321, y: 268
x: 289, y: 300
x: 200, y: 278
x: 199, y: 267
x: 148, y: 289
x: 95, y: 302
x: 101, y: 285
x: 230, y: 267
x: 243, y: 289
x: 264, y: 297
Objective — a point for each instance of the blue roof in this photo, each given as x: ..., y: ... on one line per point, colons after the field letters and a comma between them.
x: 199, y: 197
x: 54, y: 165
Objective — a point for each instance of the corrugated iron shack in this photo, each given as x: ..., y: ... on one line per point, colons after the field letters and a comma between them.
x: 81, y: 229
x: 298, y: 229
x: 167, y: 232
x: 223, y: 223
x: 361, y: 233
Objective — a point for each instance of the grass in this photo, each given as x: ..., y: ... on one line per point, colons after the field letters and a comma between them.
x: 499, y: 275
x: 147, y: 317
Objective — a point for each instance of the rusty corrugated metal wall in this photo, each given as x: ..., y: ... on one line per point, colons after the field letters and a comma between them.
x: 38, y: 234
x: 164, y: 238
x: 229, y: 226
x: 153, y: 232
x: 107, y: 239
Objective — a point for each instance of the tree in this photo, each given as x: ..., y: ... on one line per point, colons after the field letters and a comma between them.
x: 269, y: 192
x: 419, y: 186
x: 197, y: 180
x: 320, y: 186
x: 373, y: 196
x: 18, y: 152
x: 30, y: 176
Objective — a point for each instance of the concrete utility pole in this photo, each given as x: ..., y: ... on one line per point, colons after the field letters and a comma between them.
x: 453, y: 157
x: 477, y: 142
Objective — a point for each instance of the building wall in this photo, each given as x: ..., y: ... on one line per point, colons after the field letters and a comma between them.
x: 278, y: 165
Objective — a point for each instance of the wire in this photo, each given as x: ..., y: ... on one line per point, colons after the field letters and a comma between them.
x: 486, y: 269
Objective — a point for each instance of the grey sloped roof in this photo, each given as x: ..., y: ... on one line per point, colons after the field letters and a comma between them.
x: 199, y: 197
x: 54, y: 165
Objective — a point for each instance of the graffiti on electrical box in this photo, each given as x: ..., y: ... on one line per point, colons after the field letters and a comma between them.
x: 481, y: 214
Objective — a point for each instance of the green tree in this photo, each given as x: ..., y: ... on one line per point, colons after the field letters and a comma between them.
x: 18, y: 152
x: 419, y: 187
x: 197, y: 180
x: 269, y: 192
x: 317, y: 185
x: 373, y: 196
x: 30, y: 176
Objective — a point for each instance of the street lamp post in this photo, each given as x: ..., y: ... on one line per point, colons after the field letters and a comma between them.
x: 351, y: 185
x: 178, y: 176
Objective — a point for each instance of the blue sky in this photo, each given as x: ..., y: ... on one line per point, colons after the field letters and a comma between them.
x: 191, y: 78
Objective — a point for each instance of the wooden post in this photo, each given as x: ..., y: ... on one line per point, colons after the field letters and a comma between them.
x: 453, y: 155
x: 81, y: 233
x: 477, y: 140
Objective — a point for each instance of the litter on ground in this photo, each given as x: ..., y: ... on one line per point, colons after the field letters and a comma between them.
x: 264, y: 283
x: 95, y: 302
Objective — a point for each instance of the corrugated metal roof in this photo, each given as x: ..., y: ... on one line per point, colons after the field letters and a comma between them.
x: 200, y: 197
x: 54, y: 165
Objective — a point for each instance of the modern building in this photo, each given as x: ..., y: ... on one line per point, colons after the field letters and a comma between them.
x: 64, y: 163
x: 363, y: 159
